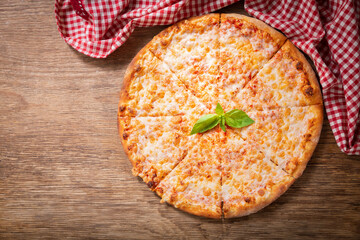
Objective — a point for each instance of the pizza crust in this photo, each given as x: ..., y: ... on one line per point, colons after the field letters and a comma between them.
x: 312, y: 90
x: 200, y: 211
x: 121, y: 125
x: 190, y: 207
x: 311, y: 139
x: 277, y: 36
x: 201, y: 20
x: 194, y: 209
x: 280, y: 189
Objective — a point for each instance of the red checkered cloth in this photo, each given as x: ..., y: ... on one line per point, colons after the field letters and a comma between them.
x: 97, y: 28
x: 327, y: 30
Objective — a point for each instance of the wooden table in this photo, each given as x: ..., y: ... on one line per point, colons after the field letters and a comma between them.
x: 64, y: 174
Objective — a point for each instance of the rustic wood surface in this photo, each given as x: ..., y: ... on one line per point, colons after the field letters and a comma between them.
x: 64, y: 174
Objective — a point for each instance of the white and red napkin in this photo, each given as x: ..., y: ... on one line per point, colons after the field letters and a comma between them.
x: 326, y: 30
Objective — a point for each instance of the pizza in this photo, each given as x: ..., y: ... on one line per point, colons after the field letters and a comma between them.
x: 180, y: 75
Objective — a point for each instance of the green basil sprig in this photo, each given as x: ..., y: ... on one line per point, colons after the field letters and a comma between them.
x: 234, y: 118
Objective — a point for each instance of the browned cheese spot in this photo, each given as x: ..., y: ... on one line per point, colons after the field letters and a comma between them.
x: 182, y: 186
x: 131, y: 147
x: 299, y: 65
x: 307, y: 138
x: 207, y: 192
x: 309, y: 91
x: 177, y: 139
x: 261, y: 192
x: 163, y: 42
x: 150, y: 184
x: 131, y: 111
x: 137, y: 68
x: 122, y: 108
x: 173, y: 197
x: 125, y: 136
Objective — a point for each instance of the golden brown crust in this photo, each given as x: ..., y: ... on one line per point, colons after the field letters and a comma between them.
x: 151, y: 182
x: 199, y: 211
x: 121, y: 128
x: 192, y: 208
x: 235, y: 211
x: 311, y: 89
x: 311, y: 139
x: 278, y: 37
x: 203, y: 20
x: 165, y: 36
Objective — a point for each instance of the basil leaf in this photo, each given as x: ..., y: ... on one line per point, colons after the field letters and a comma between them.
x: 219, y: 110
x: 205, y: 123
x: 237, y: 119
x: 234, y: 118
x: 235, y: 113
x: 222, y: 123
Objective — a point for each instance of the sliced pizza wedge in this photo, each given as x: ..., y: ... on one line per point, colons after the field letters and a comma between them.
x: 287, y: 136
x: 151, y: 89
x: 191, y: 49
x: 155, y: 145
x: 287, y: 80
x: 246, y: 44
x: 250, y: 181
x: 195, y: 184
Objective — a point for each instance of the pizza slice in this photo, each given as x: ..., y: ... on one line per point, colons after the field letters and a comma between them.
x: 151, y: 89
x: 250, y: 181
x: 191, y: 50
x: 246, y: 44
x: 287, y: 136
x: 155, y: 145
x: 287, y: 80
x: 195, y: 184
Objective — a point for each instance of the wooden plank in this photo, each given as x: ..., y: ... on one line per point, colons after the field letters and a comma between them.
x: 64, y: 174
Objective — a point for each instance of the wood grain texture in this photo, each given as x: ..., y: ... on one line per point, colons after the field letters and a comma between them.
x: 64, y: 174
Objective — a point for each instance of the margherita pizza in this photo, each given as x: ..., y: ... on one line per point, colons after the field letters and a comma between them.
x: 241, y: 63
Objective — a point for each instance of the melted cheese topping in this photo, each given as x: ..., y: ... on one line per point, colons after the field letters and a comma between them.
x: 283, y: 134
x: 154, y: 91
x: 249, y: 178
x: 282, y: 82
x: 195, y: 183
x: 156, y: 144
x: 192, y: 52
x: 203, y: 63
x: 244, y: 50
